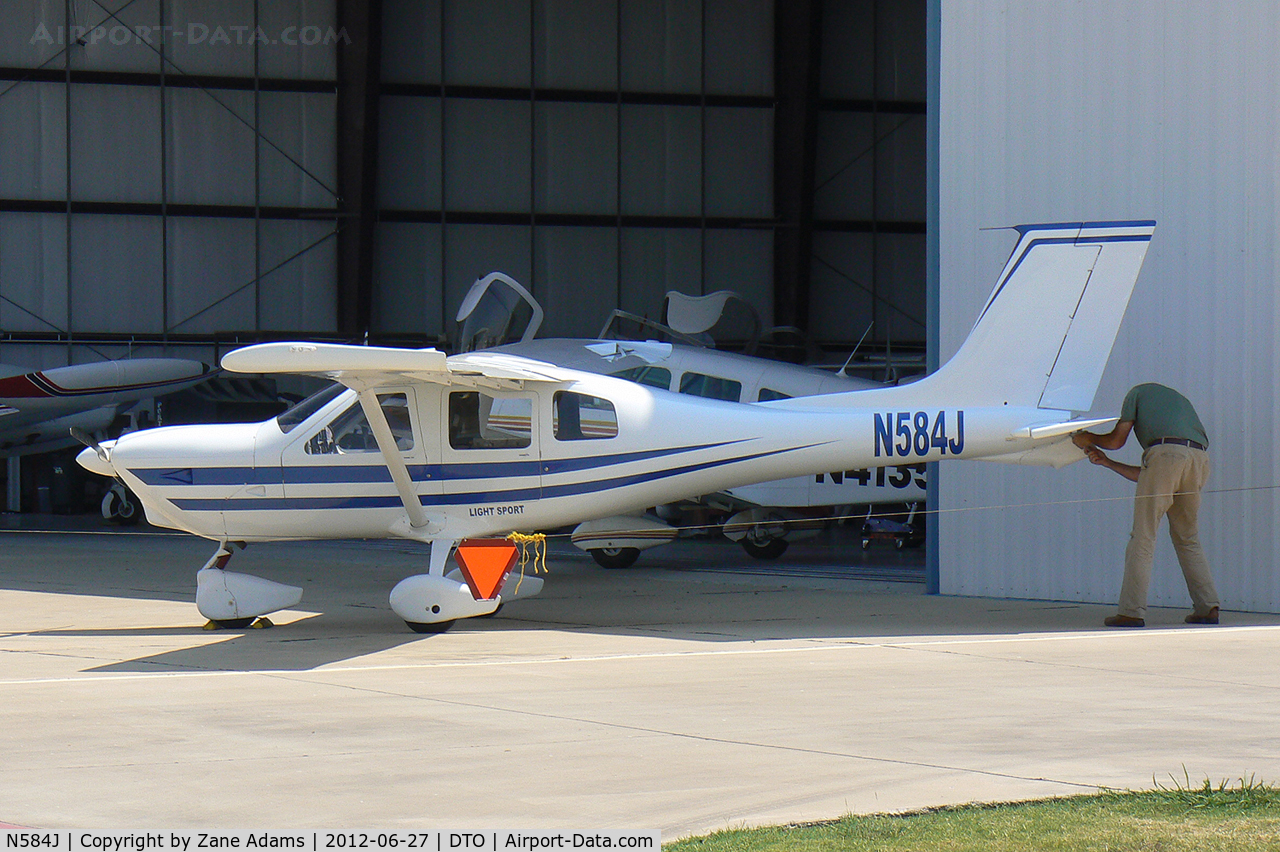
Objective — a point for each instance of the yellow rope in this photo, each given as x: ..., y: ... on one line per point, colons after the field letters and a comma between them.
x: 539, y: 542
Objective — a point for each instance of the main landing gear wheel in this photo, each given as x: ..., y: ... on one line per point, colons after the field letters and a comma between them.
x: 615, y: 557
x: 228, y: 623
x: 430, y: 627
x: 771, y: 548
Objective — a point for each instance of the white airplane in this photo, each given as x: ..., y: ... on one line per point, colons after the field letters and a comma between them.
x: 415, y: 445
x: 38, y: 409
x: 762, y: 517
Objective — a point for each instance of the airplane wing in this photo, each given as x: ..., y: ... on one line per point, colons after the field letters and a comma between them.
x: 37, y: 408
x: 362, y: 367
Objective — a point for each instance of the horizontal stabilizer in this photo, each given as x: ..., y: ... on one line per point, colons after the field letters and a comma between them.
x: 1057, y: 430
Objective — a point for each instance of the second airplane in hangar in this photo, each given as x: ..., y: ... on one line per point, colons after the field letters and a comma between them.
x: 415, y: 445
x: 499, y: 314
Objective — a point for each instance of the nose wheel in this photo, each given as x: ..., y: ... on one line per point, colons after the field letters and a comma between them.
x: 120, y: 507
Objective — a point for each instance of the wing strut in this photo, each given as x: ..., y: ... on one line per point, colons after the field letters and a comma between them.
x: 391, y: 454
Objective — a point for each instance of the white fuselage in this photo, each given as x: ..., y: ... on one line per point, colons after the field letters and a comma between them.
x: 256, y: 482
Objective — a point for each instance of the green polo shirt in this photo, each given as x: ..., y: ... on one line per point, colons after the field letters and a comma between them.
x: 1161, y: 412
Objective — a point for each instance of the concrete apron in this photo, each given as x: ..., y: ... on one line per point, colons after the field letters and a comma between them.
x: 637, y: 699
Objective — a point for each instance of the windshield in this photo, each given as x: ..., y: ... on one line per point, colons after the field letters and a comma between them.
x: 309, y: 406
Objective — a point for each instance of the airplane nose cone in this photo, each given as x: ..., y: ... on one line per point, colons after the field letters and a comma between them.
x: 90, y: 461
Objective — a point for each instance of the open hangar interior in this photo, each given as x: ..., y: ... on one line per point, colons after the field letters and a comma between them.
x: 188, y: 172
x: 184, y: 177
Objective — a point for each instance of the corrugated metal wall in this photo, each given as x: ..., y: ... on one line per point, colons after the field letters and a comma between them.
x: 169, y: 170
x: 1108, y: 110
x: 600, y: 153
x: 163, y: 157
x: 605, y: 152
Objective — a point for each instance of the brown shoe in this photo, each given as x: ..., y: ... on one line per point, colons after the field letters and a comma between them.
x: 1211, y: 617
x: 1124, y: 621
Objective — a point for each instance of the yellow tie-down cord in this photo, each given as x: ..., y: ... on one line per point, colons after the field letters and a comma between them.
x: 538, y: 543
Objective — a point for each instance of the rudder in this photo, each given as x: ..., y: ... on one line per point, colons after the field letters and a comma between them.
x: 1045, y: 334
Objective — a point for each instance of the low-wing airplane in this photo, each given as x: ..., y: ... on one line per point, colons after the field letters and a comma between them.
x: 761, y: 517
x: 415, y: 445
x: 39, y: 409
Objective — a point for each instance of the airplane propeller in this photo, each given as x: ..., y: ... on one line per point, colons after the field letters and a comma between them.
x: 87, y: 439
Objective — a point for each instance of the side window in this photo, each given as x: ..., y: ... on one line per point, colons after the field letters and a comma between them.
x: 710, y: 387
x: 478, y: 421
x: 395, y: 407
x: 767, y: 395
x: 650, y: 376
x: 578, y: 417
x: 350, y: 431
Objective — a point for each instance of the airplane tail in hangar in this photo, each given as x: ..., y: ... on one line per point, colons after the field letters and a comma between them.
x: 1044, y: 336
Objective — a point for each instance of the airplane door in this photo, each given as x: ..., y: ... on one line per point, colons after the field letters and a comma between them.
x: 491, y: 452
x: 335, y: 479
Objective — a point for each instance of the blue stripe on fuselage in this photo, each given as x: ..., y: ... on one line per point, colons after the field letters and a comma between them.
x: 376, y: 470
x: 464, y: 498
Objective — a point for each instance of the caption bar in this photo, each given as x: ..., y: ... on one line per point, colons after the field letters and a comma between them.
x: 322, y: 841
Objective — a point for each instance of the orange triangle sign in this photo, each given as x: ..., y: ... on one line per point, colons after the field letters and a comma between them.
x: 485, y: 564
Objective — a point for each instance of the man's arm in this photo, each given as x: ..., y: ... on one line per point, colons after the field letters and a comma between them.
x: 1113, y: 440
x: 1128, y: 471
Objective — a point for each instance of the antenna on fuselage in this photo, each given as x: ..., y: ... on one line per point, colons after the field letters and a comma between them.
x: 842, y: 372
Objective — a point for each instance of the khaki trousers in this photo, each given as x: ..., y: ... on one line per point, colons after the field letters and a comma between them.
x: 1170, y: 483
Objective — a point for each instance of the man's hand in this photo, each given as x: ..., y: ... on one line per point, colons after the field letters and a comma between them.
x: 1098, y: 457
x: 1083, y: 440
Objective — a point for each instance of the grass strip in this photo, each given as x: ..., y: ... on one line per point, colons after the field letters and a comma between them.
x: 1205, y: 818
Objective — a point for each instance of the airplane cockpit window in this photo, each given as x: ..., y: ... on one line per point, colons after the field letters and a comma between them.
x: 350, y: 431
x: 648, y: 375
x: 478, y: 421
x: 309, y: 406
x: 578, y: 417
x: 767, y: 395
x: 710, y: 387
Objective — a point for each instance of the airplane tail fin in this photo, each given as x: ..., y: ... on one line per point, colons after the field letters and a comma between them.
x: 1044, y: 336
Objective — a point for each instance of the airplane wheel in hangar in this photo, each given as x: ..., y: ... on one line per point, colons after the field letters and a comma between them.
x: 772, y: 548
x: 121, y: 507
x: 615, y: 557
x: 432, y: 627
